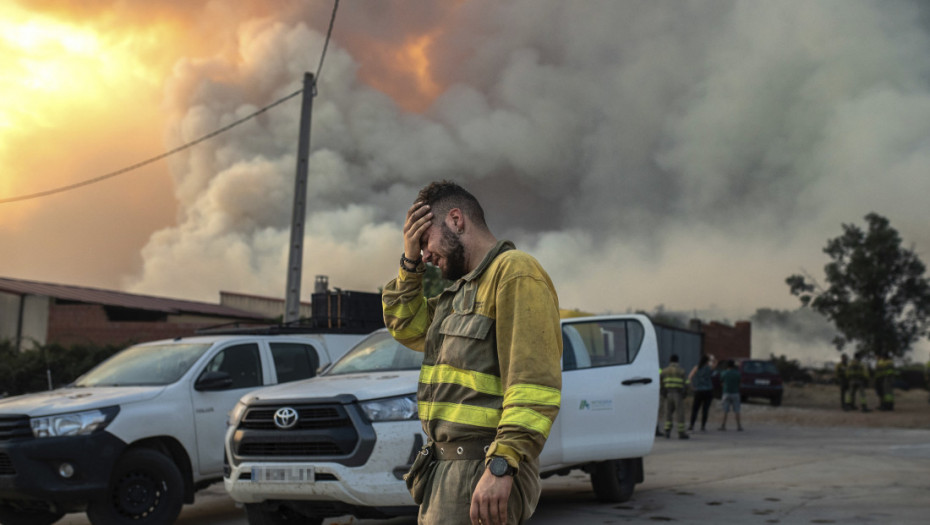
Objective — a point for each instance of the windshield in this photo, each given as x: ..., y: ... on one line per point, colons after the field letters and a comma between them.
x: 760, y: 367
x: 378, y: 352
x: 160, y: 364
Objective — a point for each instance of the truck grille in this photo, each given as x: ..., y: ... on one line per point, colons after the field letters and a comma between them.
x: 12, y: 427
x: 330, y: 431
x: 6, y: 466
x: 307, y: 418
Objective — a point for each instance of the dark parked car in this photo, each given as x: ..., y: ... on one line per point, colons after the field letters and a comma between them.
x: 758, y: 378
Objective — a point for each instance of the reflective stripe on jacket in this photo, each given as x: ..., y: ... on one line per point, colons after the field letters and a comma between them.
x: 673, y: 377
x: 492, y: 348
x: 856, y: 370
x: 884, y: 367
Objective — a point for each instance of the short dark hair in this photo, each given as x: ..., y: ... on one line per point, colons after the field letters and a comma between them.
x: 445, y: 195
x: 673, y: 358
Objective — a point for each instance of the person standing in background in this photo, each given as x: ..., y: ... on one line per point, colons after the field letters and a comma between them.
x: 884, y: 376
x: 673, y: 385
x: 701, y: 379
x: 730, y: 380
x: 858, y: 381
x: 842, y: 379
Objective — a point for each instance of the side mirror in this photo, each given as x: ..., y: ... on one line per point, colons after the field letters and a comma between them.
x: 213, y: 380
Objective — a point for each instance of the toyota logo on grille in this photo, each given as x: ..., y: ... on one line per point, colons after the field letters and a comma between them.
x: 285, y: 418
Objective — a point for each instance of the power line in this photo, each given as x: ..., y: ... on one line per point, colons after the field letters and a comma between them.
x: 191, y: 144
x: 151, y: 160
x: 329, y: 33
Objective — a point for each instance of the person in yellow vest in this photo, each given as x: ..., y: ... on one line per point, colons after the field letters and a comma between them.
x: 660, y: 420
x: 884, y: 375
x: 858, y: 381
x: 842, y: 380
x: 490, y: 384
x: 673, y: 385
x: 927, y: 377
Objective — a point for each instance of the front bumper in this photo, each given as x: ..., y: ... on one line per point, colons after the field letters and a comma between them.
x: 376, y: 483
x: 31, y: 467
x: 761, y: 390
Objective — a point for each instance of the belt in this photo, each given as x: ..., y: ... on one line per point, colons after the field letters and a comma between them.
x: 461, y: 450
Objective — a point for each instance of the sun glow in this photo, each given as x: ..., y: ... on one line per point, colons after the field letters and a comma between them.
x: 59, y: 77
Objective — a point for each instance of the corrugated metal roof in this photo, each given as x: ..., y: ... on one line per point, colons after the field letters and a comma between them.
x: 120, y: 299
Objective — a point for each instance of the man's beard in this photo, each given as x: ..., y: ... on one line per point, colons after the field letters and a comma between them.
x: 454, y: 256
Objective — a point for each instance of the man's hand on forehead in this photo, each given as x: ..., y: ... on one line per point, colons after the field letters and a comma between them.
x: 419, y: 219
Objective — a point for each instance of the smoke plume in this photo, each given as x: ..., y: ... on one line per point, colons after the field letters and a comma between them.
x: 690, y: 154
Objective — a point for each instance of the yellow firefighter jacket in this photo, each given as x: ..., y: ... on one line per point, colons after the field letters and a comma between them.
x: 672, y: 378
x: 492, y: 348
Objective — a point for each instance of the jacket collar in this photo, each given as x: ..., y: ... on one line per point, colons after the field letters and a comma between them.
x: 499, y: 248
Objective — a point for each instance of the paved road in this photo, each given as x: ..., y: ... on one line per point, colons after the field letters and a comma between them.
x: 765, y: 475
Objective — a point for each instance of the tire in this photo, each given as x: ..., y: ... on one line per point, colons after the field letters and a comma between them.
x: 145, y: 489
x: 262, y: 514
x: 613, y: 481
x: 11, y: 516
x: 775, y: 400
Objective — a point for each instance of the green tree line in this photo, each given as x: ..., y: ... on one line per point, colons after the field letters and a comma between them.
x: 29, y: 370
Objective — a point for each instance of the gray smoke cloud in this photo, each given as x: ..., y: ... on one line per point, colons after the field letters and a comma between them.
x: 689, y: 154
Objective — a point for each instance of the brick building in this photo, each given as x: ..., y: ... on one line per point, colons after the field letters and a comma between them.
x: 36, y: 313
x: 724, y: 341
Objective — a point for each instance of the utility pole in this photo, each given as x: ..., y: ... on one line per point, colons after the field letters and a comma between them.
x: 295, y: 261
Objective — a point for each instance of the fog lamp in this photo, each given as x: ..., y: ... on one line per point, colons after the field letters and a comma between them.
x: 66, y: 470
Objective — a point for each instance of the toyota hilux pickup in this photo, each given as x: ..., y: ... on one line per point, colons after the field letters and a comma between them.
x: 132, y: 440
x: 341, y: 442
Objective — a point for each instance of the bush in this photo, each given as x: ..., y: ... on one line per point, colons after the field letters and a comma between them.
x: 790, y: 370
x: 28, y: 371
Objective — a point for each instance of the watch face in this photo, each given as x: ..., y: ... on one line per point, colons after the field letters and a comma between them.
x: 499, y: 466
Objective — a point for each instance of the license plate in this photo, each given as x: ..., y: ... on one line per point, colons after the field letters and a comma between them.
x: 282, y: 474
x: 762, y: 381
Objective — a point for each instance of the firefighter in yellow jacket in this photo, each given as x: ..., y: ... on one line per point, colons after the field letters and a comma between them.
x: 884, y: 381
x: 490, y: 383
x: 858, y: 375
x: 672, y: 388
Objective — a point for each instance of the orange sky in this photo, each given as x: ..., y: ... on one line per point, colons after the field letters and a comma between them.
x: 82, y: 94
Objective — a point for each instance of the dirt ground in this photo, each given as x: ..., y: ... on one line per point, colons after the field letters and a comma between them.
x: 819, y: 405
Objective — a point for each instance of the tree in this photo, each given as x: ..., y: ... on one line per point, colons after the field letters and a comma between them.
x: 878, y: 297
x: 433, y: 283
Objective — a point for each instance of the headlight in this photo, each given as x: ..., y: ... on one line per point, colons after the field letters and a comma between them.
x: 74, y: 424
x: 392, y: 408
x: 235, y: 414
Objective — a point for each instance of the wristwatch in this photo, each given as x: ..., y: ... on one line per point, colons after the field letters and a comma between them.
x: 500, y: 468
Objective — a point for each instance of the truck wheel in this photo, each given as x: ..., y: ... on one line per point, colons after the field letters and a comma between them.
x: 11, y: 516
x: 261, y: 514
x: 775, y: 400
x: 145, y: 489
x: 613, y: 481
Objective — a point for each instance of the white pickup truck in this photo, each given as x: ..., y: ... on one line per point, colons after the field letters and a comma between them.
x: 340, y: 443
x: 133, y: 439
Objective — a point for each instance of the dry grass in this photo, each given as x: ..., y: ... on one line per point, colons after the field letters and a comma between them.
x: 819, y: 405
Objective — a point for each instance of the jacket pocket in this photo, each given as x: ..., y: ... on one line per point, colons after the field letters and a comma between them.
x: 468, y: 342
x: 472, y: 326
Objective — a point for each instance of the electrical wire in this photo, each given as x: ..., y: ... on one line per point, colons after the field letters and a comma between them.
x: 187, y: 145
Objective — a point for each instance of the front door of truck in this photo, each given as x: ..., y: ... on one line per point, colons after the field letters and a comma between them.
x: 242, y: 362
x: 610, y: 388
